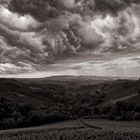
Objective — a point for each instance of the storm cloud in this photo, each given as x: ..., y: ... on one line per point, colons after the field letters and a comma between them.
x: 37, y: 33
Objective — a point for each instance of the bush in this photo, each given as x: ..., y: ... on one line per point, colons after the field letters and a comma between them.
x: 9, y: 123
x: 137, y: 108
x: 111, y: 116
x: 1, y: 125
x: 118, y: 118
x: 36, y: 118
x: 128, y: 116
x: 136, y: 116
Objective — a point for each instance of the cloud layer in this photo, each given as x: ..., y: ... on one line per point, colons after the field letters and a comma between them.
x: 37, y: 33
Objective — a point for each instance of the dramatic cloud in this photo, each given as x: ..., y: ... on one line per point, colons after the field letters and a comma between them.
x: 15, y: 21
x: 113, y: 6
x: 6, y: 68
x: 68, y: 3
x: 37, y: 33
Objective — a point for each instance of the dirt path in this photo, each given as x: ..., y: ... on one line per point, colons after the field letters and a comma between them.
x: 124, y: 98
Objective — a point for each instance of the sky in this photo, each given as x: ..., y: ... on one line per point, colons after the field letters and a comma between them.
x: 41, y: 38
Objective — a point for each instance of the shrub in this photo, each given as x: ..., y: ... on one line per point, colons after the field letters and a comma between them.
x: 137, y: 108
x: 111, y: 116
x: 136, y: 116
x: 9, y: 123
x: 128, y: 116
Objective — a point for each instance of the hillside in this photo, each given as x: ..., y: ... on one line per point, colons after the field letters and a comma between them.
x: 28, y: 102
x: 42, y: 89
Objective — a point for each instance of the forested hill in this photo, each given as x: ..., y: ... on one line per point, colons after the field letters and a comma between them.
x: 28, y: 102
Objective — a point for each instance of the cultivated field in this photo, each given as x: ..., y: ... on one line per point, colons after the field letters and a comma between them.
x: 73, y: 130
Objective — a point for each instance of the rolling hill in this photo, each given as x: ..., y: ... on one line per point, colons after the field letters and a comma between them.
x: 29, y: 102
x: 32, y: 90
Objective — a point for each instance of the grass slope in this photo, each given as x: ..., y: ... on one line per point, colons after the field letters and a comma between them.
x: 73, y: 130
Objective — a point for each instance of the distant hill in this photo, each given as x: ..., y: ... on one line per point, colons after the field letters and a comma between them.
x: 79, y: 78
x: 42, y: 89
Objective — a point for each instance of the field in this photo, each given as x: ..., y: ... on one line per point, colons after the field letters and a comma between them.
x: 73, y: 130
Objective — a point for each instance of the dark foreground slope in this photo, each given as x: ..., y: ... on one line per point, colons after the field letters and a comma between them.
x: 73, y: 130
x: 28, y: 102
